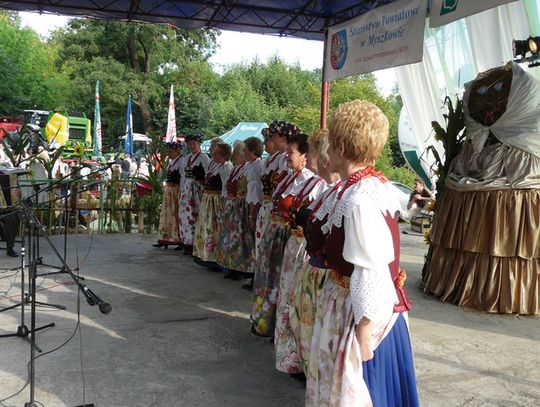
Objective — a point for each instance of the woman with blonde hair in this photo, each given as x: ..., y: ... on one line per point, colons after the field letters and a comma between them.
x: 361, y: 351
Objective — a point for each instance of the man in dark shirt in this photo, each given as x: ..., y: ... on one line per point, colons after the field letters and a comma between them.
x: 420, y: 196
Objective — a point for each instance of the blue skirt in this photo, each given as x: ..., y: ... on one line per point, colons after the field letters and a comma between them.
x: 390, y: 374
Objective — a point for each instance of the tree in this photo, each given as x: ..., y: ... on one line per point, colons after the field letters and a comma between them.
x: 27, y: 75
x: 148, y: 53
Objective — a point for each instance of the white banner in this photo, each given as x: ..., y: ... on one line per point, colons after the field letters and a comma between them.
x: 446, y: 11
x: 386, y: 36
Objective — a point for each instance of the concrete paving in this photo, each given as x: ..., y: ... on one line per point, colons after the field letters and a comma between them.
x: 179, y: 335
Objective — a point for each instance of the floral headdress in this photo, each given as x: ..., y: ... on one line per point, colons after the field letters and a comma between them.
x: 282, y: 128
x: 174, y: 145
x: 195, y: 137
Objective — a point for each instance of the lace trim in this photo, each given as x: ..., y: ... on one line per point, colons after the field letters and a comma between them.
x: 327, y: 206
x: 372, y: 295
x: 368, y: 189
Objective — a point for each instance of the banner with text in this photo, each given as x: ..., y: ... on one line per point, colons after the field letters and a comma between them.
x: 446, y: 11
x: 386, y: 36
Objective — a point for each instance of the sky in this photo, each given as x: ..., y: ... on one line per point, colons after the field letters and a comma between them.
x: 236, y: 47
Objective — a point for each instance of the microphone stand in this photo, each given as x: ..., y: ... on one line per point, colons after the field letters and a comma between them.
x: 35, y: 228
x: 22, y: 330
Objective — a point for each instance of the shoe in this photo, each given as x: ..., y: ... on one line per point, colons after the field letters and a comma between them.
x: 188, y: 250
x: 248, y: 286
x: 235, y: 275
x: 179, y: 247
x: 161, y: 245
x: 12, y: 253
x: 301, y: 377
x: 254, y: 332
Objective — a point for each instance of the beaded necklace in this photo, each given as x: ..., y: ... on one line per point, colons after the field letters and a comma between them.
x: 359, y: 175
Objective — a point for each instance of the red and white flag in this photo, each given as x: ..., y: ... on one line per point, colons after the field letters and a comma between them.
x: 171, y: 120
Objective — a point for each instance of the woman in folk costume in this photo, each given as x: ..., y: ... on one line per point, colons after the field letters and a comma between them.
x: 310, y: 279
x: 229, y: 206
x: 361, y: 351
x: 195, y: 167
x: 294, y: 258
x: 215, y: 189
x: 270, y: 260
x: 168, y: 231
x: 275, y: 141
x: 237, y: 243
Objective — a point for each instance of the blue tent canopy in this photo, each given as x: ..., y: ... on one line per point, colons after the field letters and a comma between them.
x: 298, y: 18
x: 241, y: 131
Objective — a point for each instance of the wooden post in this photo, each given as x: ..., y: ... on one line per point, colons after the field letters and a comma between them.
x: 325, y: 87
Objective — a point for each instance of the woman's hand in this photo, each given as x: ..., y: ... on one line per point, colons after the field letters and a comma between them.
x: 363, y: 336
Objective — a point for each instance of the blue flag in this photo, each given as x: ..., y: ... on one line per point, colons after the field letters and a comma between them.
x: 128, y: 144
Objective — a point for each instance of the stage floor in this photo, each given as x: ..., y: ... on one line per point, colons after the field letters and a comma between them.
x: 179, y: 335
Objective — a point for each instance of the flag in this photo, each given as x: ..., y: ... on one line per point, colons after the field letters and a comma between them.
x: 171, y: 120
x: 128, y: 143
x: 97, y: 125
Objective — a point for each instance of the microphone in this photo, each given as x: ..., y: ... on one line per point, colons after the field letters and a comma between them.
x: 105, y: 308
x: 93, y: 299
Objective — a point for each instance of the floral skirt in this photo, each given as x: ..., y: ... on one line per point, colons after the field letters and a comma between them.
x: 168, y: 231
x: 336, y: 374
x: 295, y: 256
x: 236, y: 248
x: 189, y: 210
x: 207, y: 226
x: 266, y: 279
x: 263, y: 219
x: 304, y: 302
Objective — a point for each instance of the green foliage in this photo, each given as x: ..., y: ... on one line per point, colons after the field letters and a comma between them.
x: 396, y: 173
x: 452, y: 138
x: 144, y: 60
x: 26, y: 63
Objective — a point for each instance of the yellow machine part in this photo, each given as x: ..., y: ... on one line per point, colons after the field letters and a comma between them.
x: 57, y: 129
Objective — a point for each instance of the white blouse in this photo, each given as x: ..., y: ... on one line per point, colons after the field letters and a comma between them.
x: 294, y: 187
x: 276, y: 162
x: 368, y: 246
x: 253, y: 171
